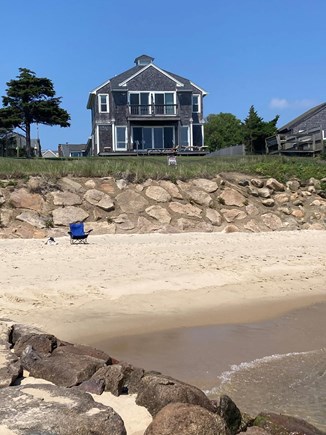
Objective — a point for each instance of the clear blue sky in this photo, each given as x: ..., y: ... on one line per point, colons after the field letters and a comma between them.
x: 269, y: 53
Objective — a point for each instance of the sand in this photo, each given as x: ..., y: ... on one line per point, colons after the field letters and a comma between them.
x: 131, y: 284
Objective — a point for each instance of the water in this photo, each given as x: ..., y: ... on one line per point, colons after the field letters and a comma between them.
x: 293, y: 383
x: 278, y: 365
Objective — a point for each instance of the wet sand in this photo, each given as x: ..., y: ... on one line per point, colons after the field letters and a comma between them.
x: 199, y: 355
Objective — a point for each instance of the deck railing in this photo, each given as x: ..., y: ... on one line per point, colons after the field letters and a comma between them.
x: 152, y: 109
x: 308, y: 141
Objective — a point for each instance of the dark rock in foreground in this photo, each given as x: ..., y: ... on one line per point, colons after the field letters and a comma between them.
x: 48, y: 409
x: 186, y: 419
x: 278, y: 424
x: 66, y: 408
x: 158, y: 391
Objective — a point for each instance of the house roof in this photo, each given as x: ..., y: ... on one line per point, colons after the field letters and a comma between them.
x: 119, y: 81
x: 67, y: 148
x: 49, y: 153
x: 306, y: 115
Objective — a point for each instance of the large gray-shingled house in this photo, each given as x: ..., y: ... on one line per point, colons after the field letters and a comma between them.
x: 304, y: 135
x: 146, y: 109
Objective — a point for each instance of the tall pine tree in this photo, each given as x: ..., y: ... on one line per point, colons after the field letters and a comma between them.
x: 255, y: 131
x: 30, y: 100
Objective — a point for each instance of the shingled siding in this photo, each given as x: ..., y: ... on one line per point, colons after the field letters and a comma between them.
x: 119, y: 107
x: 105, y: 138
x: 316, y: 120
x: 152, y: 80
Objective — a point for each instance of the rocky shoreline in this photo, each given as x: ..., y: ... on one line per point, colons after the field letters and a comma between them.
x: 230, y: 202
x: 64, y: 406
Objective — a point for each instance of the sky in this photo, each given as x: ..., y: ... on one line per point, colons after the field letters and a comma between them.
x: 266, y: 53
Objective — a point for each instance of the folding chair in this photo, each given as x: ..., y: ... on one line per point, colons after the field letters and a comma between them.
x: 77, y: 233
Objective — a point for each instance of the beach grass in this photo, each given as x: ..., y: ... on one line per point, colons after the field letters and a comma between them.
x: 140, y: 168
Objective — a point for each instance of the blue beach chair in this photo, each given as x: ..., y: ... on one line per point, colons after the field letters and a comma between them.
x: 77, y: 233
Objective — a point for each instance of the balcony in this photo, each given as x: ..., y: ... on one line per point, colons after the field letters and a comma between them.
x: 152, y: 110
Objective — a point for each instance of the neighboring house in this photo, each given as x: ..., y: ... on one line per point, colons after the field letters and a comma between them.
x: 13, y: 144
x: 305, y: 135
x: 49, y: 154
x: 146, y: 108
x: 73, y: 150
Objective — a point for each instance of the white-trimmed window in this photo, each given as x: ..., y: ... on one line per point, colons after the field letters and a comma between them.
x: 184, y: 136
x: 195, y: 103
x: 121, y: 137
x: 103, y: 103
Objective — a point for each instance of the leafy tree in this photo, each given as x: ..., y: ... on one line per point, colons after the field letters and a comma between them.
x: 222, y: 130
x: 255, y: 131
x: 31, y: 100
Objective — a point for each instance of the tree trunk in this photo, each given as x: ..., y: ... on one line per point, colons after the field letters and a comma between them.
x: 28, y: 141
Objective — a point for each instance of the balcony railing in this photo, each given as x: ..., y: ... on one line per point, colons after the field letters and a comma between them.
x: 153, y: 110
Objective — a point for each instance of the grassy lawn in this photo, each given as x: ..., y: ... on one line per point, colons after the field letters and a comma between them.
x: 140, y: 168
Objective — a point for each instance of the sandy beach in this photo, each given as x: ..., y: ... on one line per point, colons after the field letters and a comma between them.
x: 130, y: 284
x: 123, y: 285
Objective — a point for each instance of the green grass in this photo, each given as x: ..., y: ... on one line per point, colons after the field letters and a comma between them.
x: 138, y: 169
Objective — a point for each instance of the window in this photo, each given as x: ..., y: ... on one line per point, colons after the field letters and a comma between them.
x: 164, y: 103
x: 76, y: 154
x: 184, y: 136
x: 196, y: 103
x: 152, y: 137
x: 139, y: 103
x: 197, y: 134
x: 121, y: 138
x: 103, y: 103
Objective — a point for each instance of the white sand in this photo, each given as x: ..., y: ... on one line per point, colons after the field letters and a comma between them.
x: 136, y: 418
x: 128, y: 284
x: 125, y: 284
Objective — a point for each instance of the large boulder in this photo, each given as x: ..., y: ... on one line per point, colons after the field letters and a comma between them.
x: 131, y: 202
x: 278, y: 424
x: 66, y: 198
x: 61, y: 367
x: 186, y: 419
x: 157, y: 391
x: 66, y: 183
x: 41, y: 343
x: 273, y: 184
x: 230, y: 413
x: 232, y: 197
x: 272, y: 221
x: 10, y: 367
x: 158, y: 194
x: 100, y: 199
x: 233, y: 214
x: 32, y: 218
x: 66, y: 215
x: 214, y: 216
x: 159, y: 213
x: 185, y: 209
x: 208, y: 185
x: 171, y: 188
x: 48, y: 409
x: 119, y: 378
x: 199, y: 196
x: 21, y: 198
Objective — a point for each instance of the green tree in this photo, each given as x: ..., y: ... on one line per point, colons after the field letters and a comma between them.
x: 31, y: 100
x: 255, y: 131
x: 222, y: 130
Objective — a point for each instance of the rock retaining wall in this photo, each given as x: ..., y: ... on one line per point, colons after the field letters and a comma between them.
x: 229, y: 202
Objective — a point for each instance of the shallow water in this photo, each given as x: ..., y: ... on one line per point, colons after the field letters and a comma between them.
x: 293, y: 384
x: 278, y: 365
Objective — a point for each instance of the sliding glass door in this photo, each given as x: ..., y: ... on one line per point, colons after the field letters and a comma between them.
x: 144, y: 138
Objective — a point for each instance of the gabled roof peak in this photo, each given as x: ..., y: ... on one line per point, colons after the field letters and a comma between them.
x: 143, y: 60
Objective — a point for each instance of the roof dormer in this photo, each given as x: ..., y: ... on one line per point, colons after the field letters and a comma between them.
x: 143, y: 60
